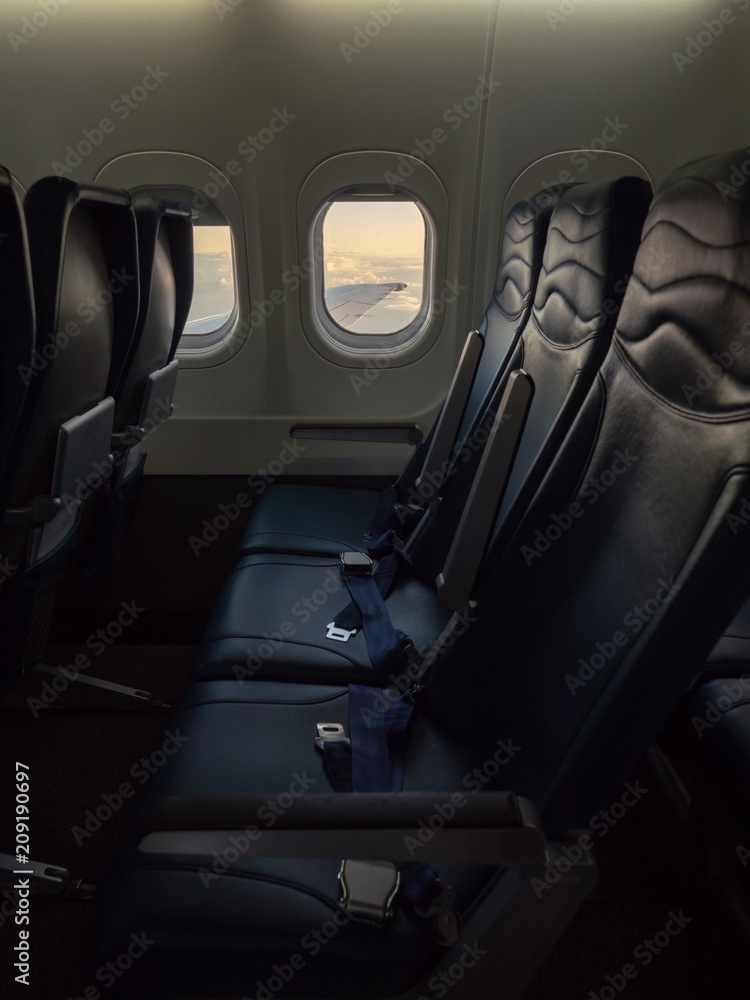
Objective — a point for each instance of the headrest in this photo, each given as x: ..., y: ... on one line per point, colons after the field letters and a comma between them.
x: 16, y: 319
x: 592, y: 223
x: 49, y: 205
x: 521, y: 253
x: 693, y: 266
x: 153, y: 214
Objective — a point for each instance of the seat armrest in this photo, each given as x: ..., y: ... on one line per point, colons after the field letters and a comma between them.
x: 472, y: 537
x: 490, y: 828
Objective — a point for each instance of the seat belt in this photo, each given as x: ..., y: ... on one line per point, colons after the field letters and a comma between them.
x: 367, y: 610
x: 403, y: 518
x: 456, y: 583
x: 372, y: 760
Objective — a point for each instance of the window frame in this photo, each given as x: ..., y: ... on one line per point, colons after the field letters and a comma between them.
x: 368, y: 343
x: 368, y: 171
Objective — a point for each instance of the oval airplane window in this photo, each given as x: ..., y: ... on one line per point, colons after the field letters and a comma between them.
x: 372, y: 234
x: 374, y: 257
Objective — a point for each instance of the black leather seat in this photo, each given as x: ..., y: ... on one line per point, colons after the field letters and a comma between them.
x: 18, y: 327
x: 143, y: 395
x: 719, y: 719
x: 165, y: 261
x: 271, y: 616
x: 573, y: 663
x: 732, y: 651
x: 318, y: 520
x: 85, y: 277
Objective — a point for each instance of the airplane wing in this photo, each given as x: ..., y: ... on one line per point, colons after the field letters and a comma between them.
x: 348, y: 303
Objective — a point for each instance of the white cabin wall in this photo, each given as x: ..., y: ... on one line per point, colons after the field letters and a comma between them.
x: 564, y: 73
x: 559, y: 83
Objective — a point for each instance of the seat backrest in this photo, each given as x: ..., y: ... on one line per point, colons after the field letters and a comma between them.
x: 588, y: 256
x: 165, y: 256
x: 84, y: 265
x: 519, y: 264
x: 521, y: 259
x: 16, y: 321
x: 634, y: 552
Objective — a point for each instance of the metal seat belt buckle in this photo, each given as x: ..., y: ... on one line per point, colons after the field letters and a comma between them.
x: 368, y: 889
x: 329, y: 732
x: 355, y: 564
x: 339, y: 634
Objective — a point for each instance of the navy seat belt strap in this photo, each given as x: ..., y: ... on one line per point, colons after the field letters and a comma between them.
x: 370, y: 750
x: 337, y: 761
x: 389, y: 550
x: 383, y: 576
x: 372, y: 760
x: 367, y: 610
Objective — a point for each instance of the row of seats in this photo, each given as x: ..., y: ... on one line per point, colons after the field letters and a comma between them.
x: 463, y: 688
x: 559, y: 338
x: 96, y: 289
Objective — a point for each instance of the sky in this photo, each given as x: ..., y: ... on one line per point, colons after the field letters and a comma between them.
x: 365, y: 242
x: 371, y: 242
x: 213, y: 289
